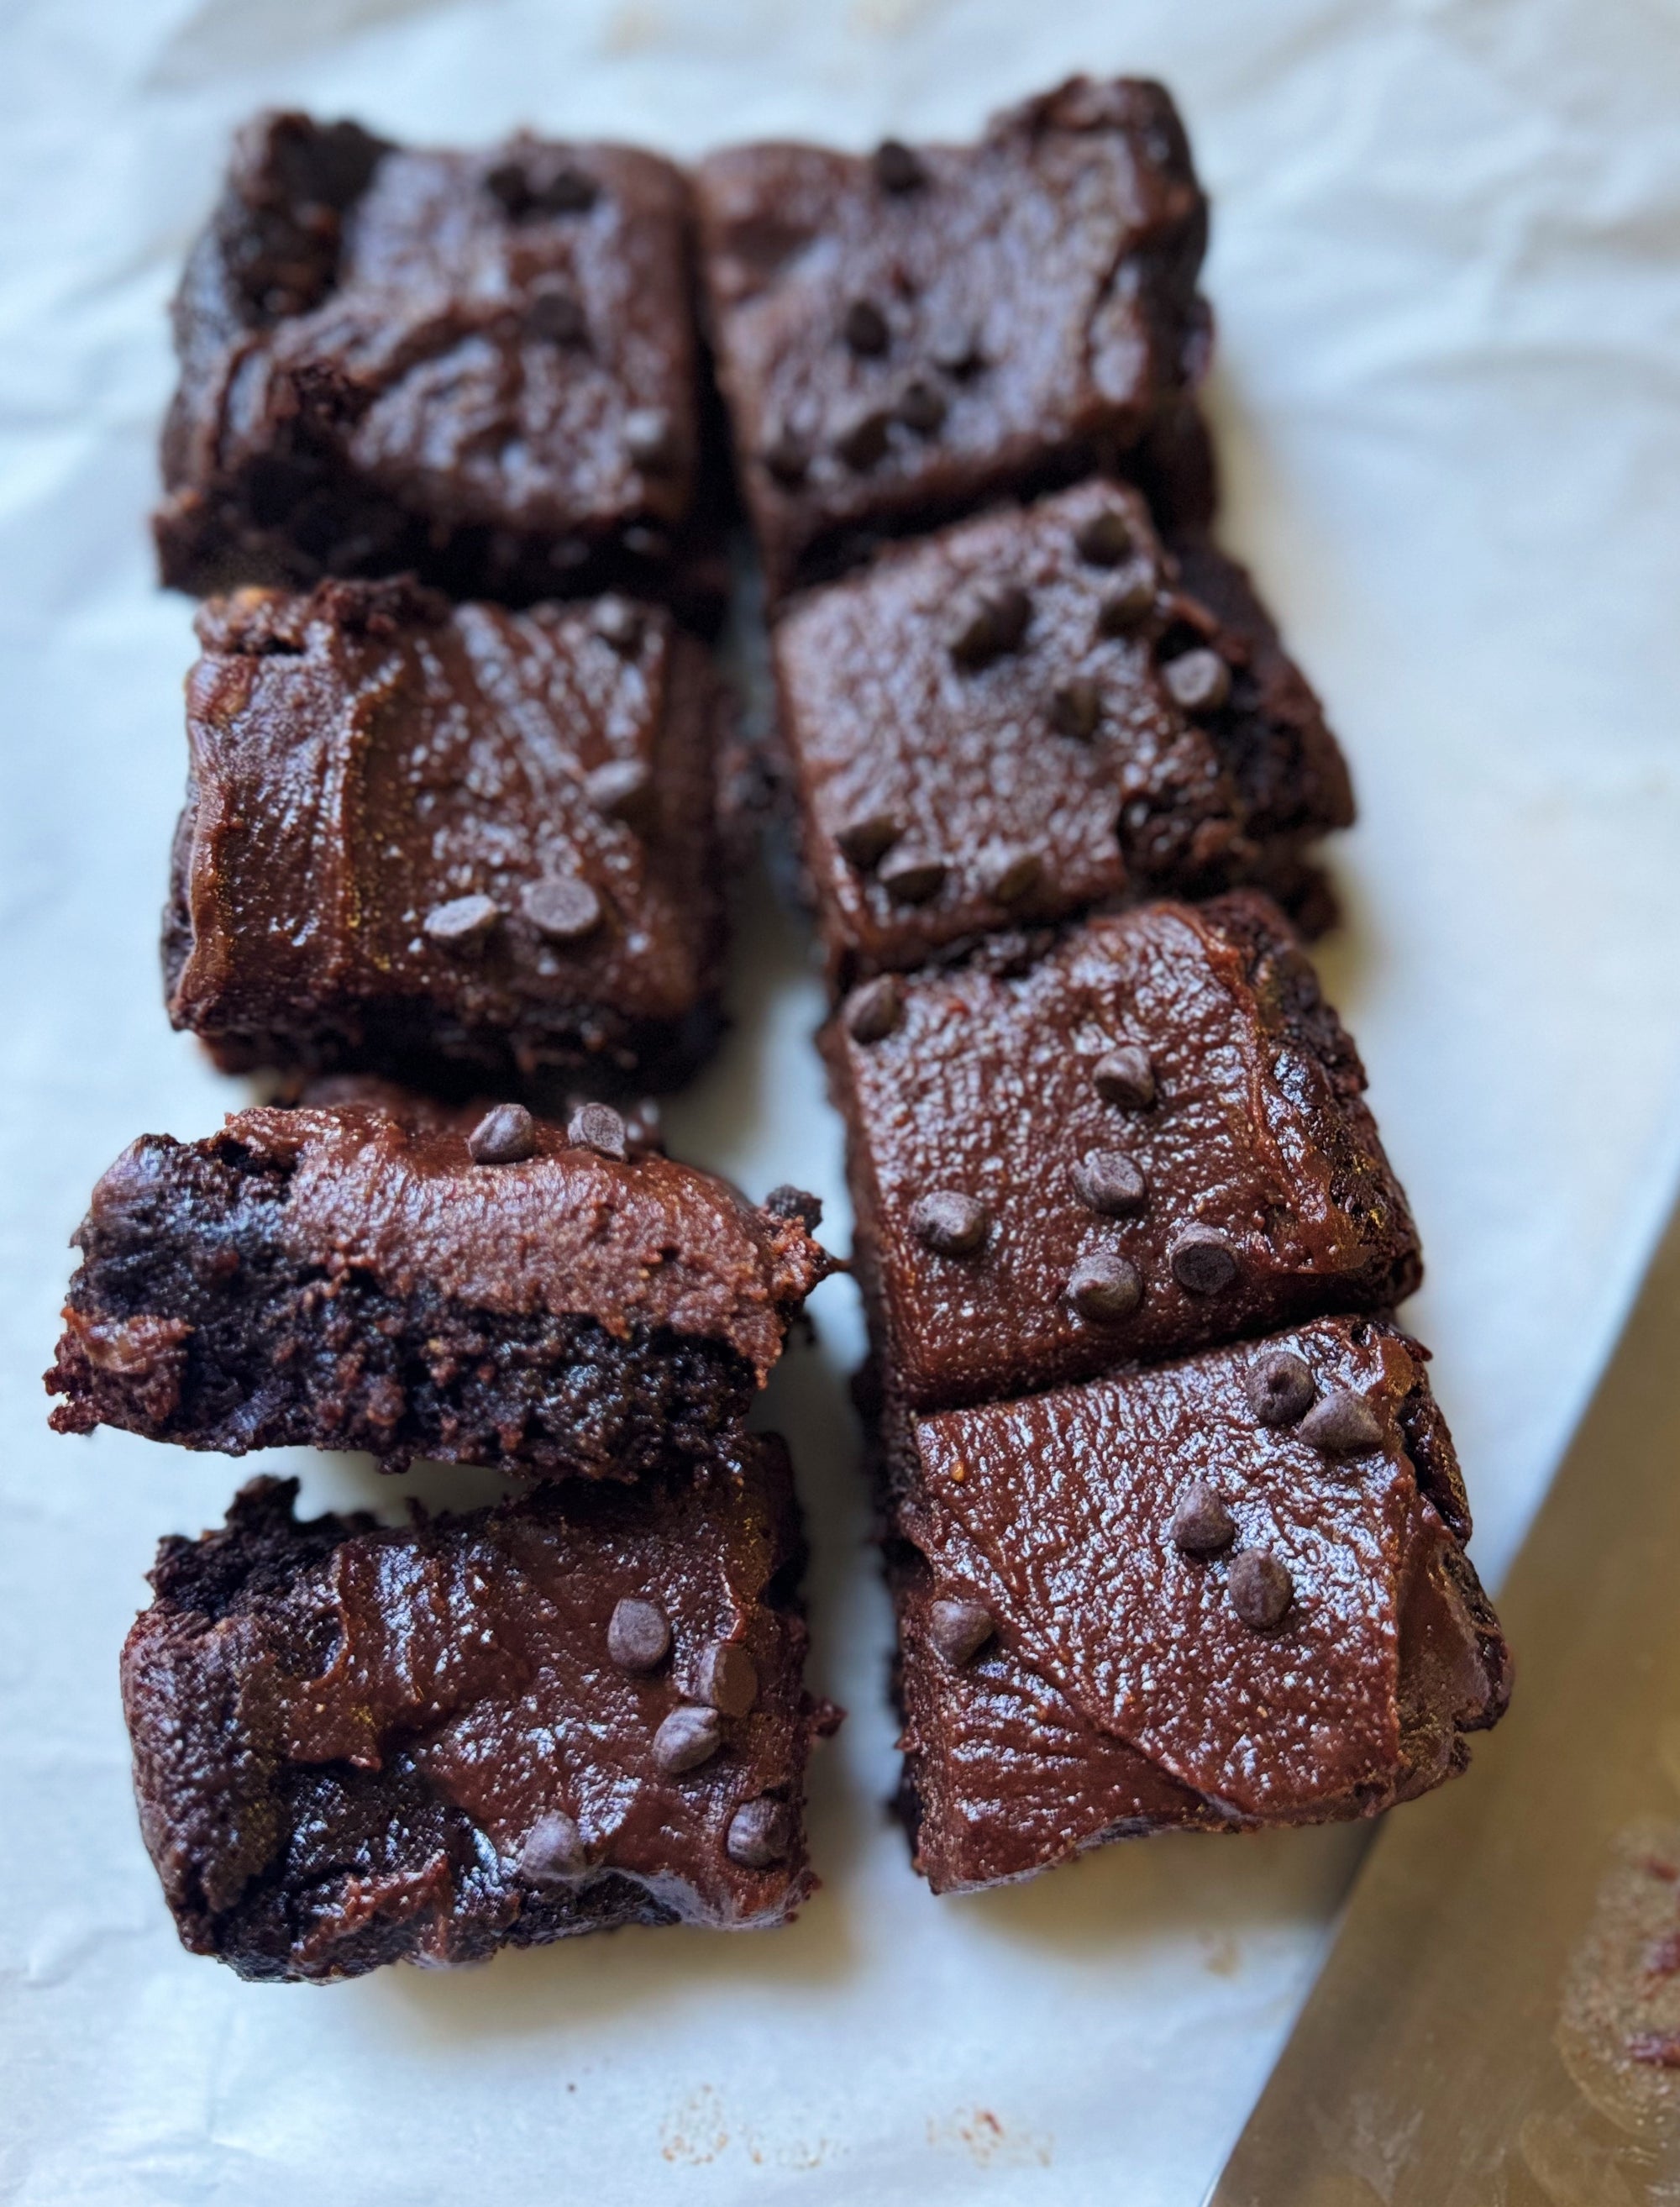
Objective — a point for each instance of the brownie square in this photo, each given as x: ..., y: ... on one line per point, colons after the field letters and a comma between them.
x: 355, y: 1745
x: 1037, y: 713
x: 1226, y: 1592
x: 479, y: 1289
x: 452, y: 843
x: 903, y: 337
x: 1152, y: 1139
x: 483, y: 366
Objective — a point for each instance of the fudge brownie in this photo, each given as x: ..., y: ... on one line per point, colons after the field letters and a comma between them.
x: 902, y: 337
x: 484, y: 367
x: 479, y: 1289
x: 355, y: 1745
x: 1152, y: 1139
x: 1225, y: 1593
x: 451, y: 843
x: 975, y: 740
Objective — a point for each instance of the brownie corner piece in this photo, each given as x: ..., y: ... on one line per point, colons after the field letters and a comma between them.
x: 472, y: 1287
x: 357, y: 1744
x: 451, y: 843
x: 481, y: 366
x: 901, y: 336
x: 1097, y: 1587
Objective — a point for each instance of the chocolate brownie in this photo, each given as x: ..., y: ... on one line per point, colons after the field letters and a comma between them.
x: 480, y: 1289
x: 1226, y: 1592
x: 902, y: 337
x: 355, y: 1745
x: 1032, y: 714
x: 483, y: 366
x: 454, y: 844
x: 1152, y: 1139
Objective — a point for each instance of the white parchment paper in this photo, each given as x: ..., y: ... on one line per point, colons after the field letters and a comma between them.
x: 1449, y: 390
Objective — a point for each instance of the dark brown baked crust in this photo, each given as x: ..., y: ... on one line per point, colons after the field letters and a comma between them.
x: 1121, y: 1691
x: 355, y: 1745
x: 447, y: 363
x: 1031, y: 314
x: 349, y: 1278
x: 363, y: 757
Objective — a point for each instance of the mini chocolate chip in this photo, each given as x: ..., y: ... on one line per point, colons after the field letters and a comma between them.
x: 954, y: 348
x: 618, y: 622
x: 597, y: 1127
x: 760, y: 1833
x: 688, y: 1737
x: 553, y: 1849
x: 508, y: 182
x: 561, y: 908
x: 623, y: 789
x: 786, y: 1201
x: 1260, y: 1588
x: 1202, y: 1525
x: 1127, y: 598
x: 568, y: 191
x: 1343, y: 1424
x: 1203, y: 1260
x: 786, y: 454
x: 909, y: 879
x: 1125, y: 1076
x: 863, y: 441
x: 1200, y: 681
x: 650, y: 439
x: 505, y: 1134
x: 556, y: 316
x: 725, y: 1678
x: 865, y: 327
x: 1104, y: 1287
x: 638, y: 1636
x: 463, y: 923
x: 1010, y: 875
x: 865, y: 841
x: 949, y: 1223
x: 958, y: 1631
x: 897, y: 168
x: 1280, y: 1387
x: 990, y: 621
x: 1105, y: 538
x: 875, y: 1009
x: 1076, y: 707
x: 1110, y: 1181
x: 922, y: 407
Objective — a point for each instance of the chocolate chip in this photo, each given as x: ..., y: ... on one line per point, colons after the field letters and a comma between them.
x: 1203, y: 1260
x: 1128, y: 599
x: 725, y: 1678
x: 556, y: 316
x: 1110, y: 1181
x: 922, y: 407
x: 505, y: 1134
x: 1105, y: 538
x: 561, y: 908
x: 1202, y: 1525
x: 1010, y: 875
x: 688, y: 1737
x: 1280, y: 1387
x: 623, y: 789
x: 787, y: 1201
x: 1343, y: 1424
x: 597, y: 1127
x: 897, y: 168
x: 638, y: 1636
x: 650, y: 439
x: 553, y: 1849
x: 954, y: 348
x: 463, y: 923
x: 618, y: 622
x: 567, y: 191
x: 1125, y: 1076
x: 909, y: 879
x: 761, y: 1832
x: 863, y: 441
x: 865, y: 327
x: 949, y: 1223
x: 1260, y: 1588
x: 786, y: 454
x: 1104, y: 1287
x: 1076, y: 707
x: 990, y: 621
x: 1200, y: 681
x: 508, y: 182
x: 866, y: 839
x: 958, y: 1631
x: 875, y: 1009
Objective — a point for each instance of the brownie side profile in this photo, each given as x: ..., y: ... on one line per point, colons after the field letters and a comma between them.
x: 1224, y: 1593
x: 902, y: 337
x: 1152, y: 1139
x: 455, y: 845
x: 481, y: 367
x: 355, y: 1745
x: 498, y: 1292
x: 1033, y: 714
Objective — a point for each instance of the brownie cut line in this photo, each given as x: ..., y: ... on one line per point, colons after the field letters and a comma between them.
x: 1224, y: 1593
x: 476, y: 1288
x: 452, y: 844
x: 355, y: 1745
